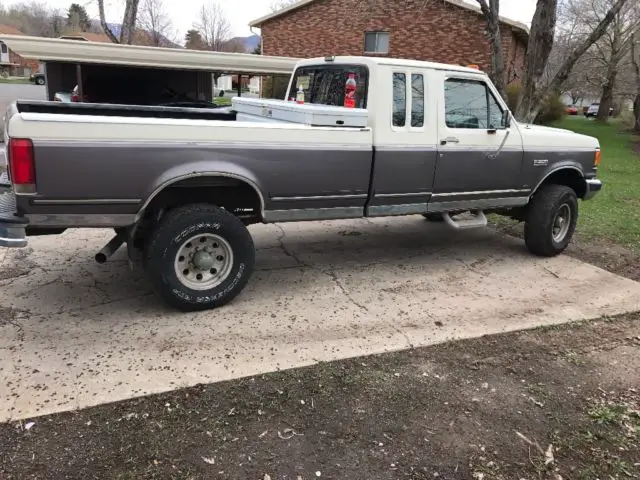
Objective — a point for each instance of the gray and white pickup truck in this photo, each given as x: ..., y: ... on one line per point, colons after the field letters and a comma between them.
x: 366, y: 137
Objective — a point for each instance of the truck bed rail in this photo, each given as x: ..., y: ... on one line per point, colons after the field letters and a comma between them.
x: 113, y: 110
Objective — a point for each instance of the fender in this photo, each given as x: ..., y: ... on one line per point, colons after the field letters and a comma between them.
x: 214, y: 168
x: 555, y: 168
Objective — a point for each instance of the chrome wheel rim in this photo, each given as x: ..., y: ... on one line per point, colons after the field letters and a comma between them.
x: 204, y: 261
x: 561, y: 223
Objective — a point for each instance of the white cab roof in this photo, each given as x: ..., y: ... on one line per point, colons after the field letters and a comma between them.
x: 395, y: 62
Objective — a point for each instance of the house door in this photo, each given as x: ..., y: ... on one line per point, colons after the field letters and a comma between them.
x: 4, y: 53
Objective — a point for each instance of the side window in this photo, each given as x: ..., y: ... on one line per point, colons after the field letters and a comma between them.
x: 4, y: 48
x: 417, y: 100
x: 470, y: 104
x: 399, y: 99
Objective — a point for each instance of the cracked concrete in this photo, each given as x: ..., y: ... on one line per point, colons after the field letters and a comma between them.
x: 75, y: 334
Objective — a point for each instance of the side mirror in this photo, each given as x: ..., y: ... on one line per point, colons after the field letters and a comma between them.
x: 506, y: 119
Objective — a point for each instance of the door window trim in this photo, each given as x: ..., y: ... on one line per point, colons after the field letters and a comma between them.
x: 472, y: 78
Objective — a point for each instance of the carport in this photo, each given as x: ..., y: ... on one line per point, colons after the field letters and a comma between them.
x: 189, y: 73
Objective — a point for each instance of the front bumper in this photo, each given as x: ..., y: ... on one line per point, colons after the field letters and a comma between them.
x: 593, y: 187
x: 13, y: 228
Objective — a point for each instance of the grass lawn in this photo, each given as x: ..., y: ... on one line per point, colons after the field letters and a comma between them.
x: 614, y: 214
x: 15, y: 81
x: 222, y: 101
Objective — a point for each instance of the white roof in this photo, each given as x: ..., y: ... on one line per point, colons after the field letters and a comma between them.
x: 396, y: 62
x: 49, y: 49
x: 459, y: 3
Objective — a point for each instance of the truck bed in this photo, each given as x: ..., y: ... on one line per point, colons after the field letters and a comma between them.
x: 138, y: 111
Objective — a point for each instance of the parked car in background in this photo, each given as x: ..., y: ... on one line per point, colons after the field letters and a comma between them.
x: 571, y: 110
x: 38, y: 78
x: 593, y: 110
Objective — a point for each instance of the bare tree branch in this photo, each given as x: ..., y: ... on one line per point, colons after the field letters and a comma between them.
x: 214, y: 26
x: 156, y: 22
x: 540, y: 44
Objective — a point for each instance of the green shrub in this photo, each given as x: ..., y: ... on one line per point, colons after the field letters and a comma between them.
x: 552, y: 110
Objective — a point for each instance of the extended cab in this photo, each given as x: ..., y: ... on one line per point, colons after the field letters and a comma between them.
x: 180, y: 186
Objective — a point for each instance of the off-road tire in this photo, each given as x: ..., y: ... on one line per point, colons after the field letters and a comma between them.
x: 541, y: 217
x: 433, y: 217
x: 170, y: 234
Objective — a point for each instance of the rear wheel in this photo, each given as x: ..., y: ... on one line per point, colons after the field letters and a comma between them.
x: 551, y: 220
x: 39, y: 81
x: 199, y: 257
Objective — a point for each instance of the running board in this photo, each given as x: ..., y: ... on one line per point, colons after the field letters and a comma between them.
x: 477, y: 220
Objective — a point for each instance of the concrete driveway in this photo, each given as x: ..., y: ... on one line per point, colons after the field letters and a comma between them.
x: 74, y: 333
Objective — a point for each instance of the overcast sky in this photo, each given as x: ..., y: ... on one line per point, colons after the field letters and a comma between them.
x: 241, y: 12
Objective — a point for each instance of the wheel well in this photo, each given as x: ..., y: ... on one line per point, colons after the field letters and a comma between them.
x: 569, y: 177
x: 234, y: 195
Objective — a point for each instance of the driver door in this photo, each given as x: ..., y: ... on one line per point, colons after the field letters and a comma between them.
x: 479, y: 158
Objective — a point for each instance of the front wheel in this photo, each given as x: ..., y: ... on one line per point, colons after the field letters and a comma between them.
x: 199, y: 257
x: 551, y: 220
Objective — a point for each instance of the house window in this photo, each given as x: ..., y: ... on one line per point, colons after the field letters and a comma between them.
x: 470, y: 104
x: 399, y: 99
x: 376, y: 42
x: 4, y: 48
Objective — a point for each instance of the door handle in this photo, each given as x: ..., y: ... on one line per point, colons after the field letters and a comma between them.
x: 449, y: 140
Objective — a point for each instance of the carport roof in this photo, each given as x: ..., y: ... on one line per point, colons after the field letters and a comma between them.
x: 73, y: 51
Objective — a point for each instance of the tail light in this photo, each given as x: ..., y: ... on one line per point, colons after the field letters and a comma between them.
x: 596, y: 160
x: 22, y: 166
x: 75, y: 97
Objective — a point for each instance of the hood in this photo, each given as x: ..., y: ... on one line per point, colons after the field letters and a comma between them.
x: 540, y: 136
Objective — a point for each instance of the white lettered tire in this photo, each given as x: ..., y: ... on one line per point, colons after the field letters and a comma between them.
x: 199, y: 257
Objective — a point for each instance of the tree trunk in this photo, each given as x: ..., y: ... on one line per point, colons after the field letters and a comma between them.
x: 491, y: 14
x: 103, y: 23
x: 606, y: 100
x: 128, y: 30
x: 636, y: 66
x: 539, y: 47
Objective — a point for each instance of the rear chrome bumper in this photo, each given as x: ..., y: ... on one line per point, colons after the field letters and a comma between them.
x: 13, y: 228
x: 593, y: 187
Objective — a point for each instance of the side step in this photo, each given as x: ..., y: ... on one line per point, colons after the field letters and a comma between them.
x: 476, y: 219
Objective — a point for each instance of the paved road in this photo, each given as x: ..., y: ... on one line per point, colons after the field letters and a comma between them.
x: 76, y: 333
x: 10, y: 92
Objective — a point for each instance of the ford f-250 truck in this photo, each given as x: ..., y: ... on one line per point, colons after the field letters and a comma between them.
x: 180, y: 186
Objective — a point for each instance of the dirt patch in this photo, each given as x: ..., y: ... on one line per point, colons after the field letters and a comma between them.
x: 601, y: 253
x: 534, y: 404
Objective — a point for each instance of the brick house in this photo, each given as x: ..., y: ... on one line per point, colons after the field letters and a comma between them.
x: 10, y: 62
x: 446, y: 31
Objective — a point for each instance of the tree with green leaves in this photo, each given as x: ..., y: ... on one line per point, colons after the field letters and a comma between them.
x: 77, y: 18
x: 194, y: 41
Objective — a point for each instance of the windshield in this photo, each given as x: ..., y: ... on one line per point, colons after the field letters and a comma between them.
x: 325, y: 84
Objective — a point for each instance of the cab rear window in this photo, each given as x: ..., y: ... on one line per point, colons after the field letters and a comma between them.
x: 325, y: 84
